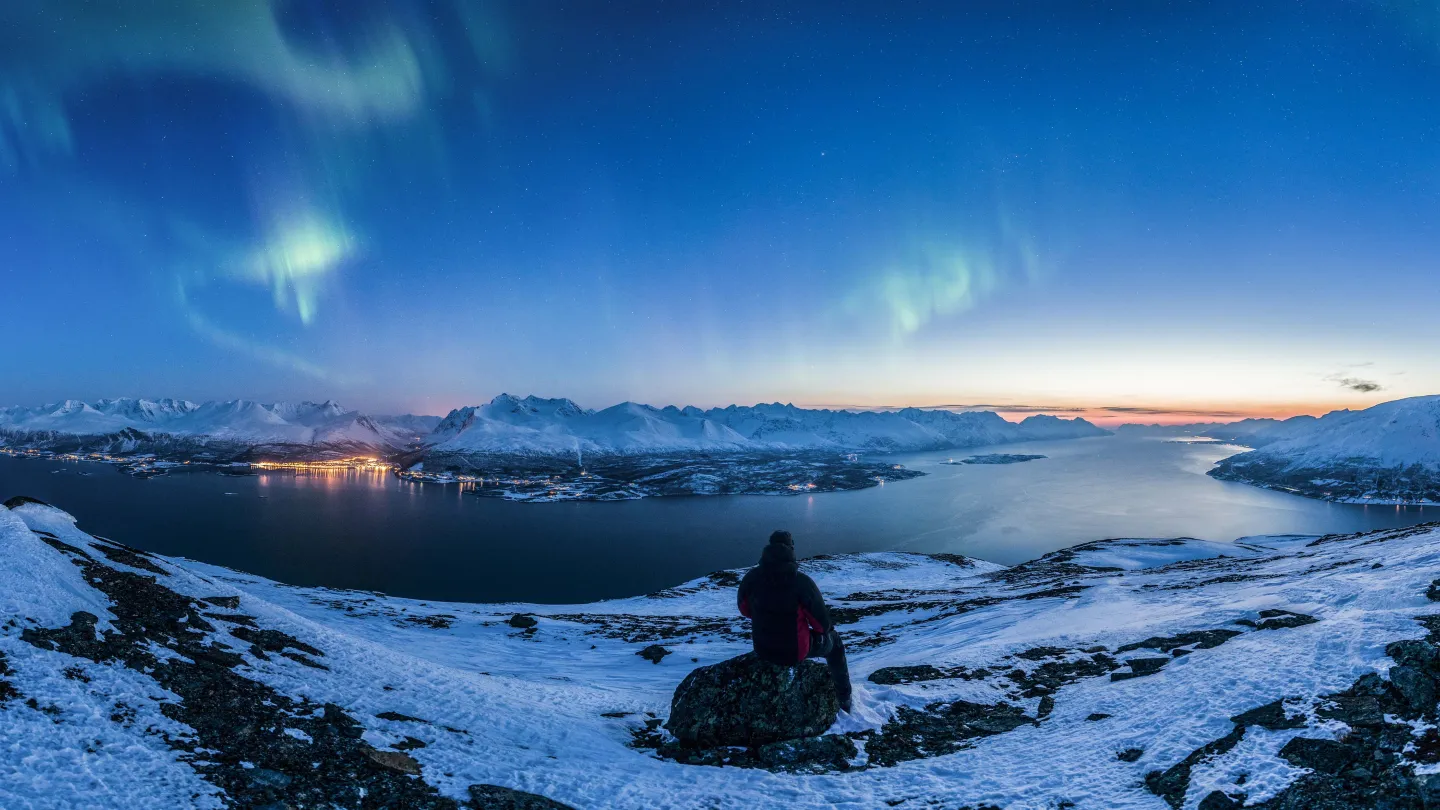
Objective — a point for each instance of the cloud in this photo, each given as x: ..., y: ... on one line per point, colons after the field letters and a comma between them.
x: 1085, y: 410
x: 1357, y: 384
x: 1346, y: 379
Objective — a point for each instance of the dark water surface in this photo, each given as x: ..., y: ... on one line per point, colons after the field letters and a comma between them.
x: 373, y: 531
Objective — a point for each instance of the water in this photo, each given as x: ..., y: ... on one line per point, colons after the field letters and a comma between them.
x: 372, y: 531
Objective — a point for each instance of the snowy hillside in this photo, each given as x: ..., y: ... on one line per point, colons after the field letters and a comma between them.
x: 1119, y: 674
x: 1386, y: 454
x: 509, y: 424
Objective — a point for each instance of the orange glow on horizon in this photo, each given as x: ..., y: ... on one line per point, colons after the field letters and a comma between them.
x: 1110, y: 416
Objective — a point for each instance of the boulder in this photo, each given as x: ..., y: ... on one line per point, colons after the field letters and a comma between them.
x: 1415, y: 687
x: 747, y: 702
x: 653, y: 653
x: 1414, y: 653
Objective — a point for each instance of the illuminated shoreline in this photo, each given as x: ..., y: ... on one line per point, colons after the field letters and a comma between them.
x: 357, y: 463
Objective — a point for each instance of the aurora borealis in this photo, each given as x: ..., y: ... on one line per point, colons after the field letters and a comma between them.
x: 1130, y: 210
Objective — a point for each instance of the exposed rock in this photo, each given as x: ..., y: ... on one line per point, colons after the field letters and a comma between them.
x: 1432, y: 593
x: 8, y: 691
x: 1140, y: 667
x: 1171, y: 784
x: 1271, y: 716
x: 893, y: 676
x: 653, y: 653
x: 266, y: 778
x: 395, y: 761
x: 234, y: 719
x: 1282, y: 619
x: 272, y: 640
x: 890, y: 676
x: 1130, y: 754
x: 1094, y: 716
x: 1052, y: 675
x: 493, y: 797
x: 129, y: 556
x: 1415, y: 687
x: 747, y: 702
x: 227, y: 602
x: 1041, y: 653
x: 941, y: 728
x: 1201, y: 639
x: 1414, y: 653
x: 1323, y: 756
x: 830, y: 752
x: 522, y: 621
x: 1217, y: 800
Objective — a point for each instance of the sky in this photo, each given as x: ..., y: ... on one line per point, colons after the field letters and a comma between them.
x: 1134, y: 211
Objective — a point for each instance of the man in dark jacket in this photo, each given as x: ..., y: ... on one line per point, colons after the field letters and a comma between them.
x: 788, y: 619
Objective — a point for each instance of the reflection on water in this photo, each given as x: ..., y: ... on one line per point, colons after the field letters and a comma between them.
x: 359, y: 528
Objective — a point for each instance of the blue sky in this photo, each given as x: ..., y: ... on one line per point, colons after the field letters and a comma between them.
x: 1225, y: 208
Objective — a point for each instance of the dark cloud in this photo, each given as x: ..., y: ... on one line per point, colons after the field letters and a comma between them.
x: 1174, y: 411
x: 1357, y: 384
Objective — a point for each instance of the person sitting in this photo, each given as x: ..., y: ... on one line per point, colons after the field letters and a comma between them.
x: 788, y: 619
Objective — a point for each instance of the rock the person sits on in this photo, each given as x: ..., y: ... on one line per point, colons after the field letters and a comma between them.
x: 788, y: 618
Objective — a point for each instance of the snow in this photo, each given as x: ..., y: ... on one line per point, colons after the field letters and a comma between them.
x: 238, y: 420
x: 510, y: 424
x: 524, y: 710
x: 71, y: 754
x: 1398, y: 433
x: 538, y: 426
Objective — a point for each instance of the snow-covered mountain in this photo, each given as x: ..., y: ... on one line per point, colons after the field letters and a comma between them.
x: 138, y: 425
x: 1389, y: 454
x: 1284, y: 673
x: 512, y: 425
x: 1250, y: 432
x: 507, y: 426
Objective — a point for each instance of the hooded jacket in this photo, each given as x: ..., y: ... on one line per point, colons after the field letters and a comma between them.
x: 784, y: 607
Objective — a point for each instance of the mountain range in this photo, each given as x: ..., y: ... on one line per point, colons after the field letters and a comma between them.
x: 225, y: 428
x: 507, y: 425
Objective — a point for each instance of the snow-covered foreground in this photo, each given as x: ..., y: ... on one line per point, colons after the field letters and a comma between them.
x: 331, y: 698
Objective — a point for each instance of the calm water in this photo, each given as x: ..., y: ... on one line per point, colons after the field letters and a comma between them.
x: 372, y: 531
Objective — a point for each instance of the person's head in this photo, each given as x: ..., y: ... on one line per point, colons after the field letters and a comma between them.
x: 782, y: 537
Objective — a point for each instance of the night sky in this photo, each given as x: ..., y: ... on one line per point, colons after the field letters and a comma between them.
x: 1221, y: 208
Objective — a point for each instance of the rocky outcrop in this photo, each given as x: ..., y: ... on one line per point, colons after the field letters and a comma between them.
x: 747, y: 702
x: 747, y: 713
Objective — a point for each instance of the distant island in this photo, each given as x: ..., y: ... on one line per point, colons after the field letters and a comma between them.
x: 995, y: 458
x: 525, y: 448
